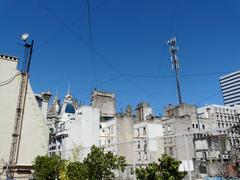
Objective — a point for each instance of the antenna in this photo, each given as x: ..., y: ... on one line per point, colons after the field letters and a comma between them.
x: 172, y: 43
x: 69, y: 87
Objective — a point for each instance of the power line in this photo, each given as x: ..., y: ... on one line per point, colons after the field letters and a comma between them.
x: 168, y: 36
x: 209, y: 97
x: 101, y: 57
x: 164, y: 137
x: 91, y: 39
x: 102, y: 83
x: 3, y: 83
x: 173, y: 19
x: 55, y: 35
x: 182, y: 75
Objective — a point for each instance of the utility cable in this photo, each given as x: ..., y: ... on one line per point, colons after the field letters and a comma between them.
x: 164, y: 137
x: 101, y: 57
x: 91, y: 40
x: 172, y: 76
x: 163, y: 45
x: 58, y: 33
x: 3, y: 83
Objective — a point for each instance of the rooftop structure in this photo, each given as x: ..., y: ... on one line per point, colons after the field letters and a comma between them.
x: 105, y: 102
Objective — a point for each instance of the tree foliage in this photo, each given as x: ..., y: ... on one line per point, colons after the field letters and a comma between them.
x: 100, y: 165
x: 166, y: 169
x: 47, y: 168
x: 97, y: 165
x: 76, y: 170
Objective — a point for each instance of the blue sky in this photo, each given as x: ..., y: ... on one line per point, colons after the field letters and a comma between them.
x: 131, y: 57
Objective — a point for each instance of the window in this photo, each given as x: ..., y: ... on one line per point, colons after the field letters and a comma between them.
x: 70, y: 109
x: 111, y: 129
x: 170, y: 139
x: 193, y: 126
x: 139, y: 156
x: 196, y: 125
x: 164, y: 129
x: 203, y: 126
x: 169, y: 128
x: 145, y: 155
x: 144, y: 131
x: 138, y: 132
x: 139, y: 145
x: 145, y: 145
x: 171, y: 151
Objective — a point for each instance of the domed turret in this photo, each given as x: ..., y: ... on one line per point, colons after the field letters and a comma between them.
x: 68, y: 106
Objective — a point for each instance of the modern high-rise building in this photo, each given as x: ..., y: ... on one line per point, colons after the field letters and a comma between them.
x: 230, y: 85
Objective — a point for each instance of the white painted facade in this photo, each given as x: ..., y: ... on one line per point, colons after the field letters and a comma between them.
x: 34, y: 136
x: 74, y: 129
x: 222, y: 118
x: 108, y: 135
x: 148, y: 140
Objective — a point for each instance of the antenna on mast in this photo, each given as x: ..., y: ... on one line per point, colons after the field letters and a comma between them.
x: 172, y: 43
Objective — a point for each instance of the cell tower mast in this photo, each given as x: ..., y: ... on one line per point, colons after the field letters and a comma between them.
x: 172, y: 43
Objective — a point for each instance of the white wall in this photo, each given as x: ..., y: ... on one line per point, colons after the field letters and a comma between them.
x: 34, y: 137
x: 84, y: 131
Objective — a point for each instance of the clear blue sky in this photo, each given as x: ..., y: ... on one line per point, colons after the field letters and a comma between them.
x: 129, y: 38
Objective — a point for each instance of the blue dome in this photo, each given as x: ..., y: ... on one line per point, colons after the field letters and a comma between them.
x: 70, y: 109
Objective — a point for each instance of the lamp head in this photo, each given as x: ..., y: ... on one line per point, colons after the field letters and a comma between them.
x: 24, y: 36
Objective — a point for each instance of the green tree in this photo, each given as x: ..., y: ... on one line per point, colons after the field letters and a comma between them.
x: 76, y: 171
x: 97, y: 165
x: 100, y: 165
x: 165, y: 169
x: 47, y: 168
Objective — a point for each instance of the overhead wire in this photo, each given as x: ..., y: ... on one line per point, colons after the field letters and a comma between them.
x: 6, y: 82
x: 183, y: 75
x: 164, y: 137
x: 96, y: 52
x: 209, y: 97
x: 105, y: 60
x: 101, y: 83
x: 91, y: 40
x: 170, y: 30
x: 58, y: 33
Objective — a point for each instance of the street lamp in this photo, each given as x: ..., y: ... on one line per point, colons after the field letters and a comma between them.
x: 27, y: 52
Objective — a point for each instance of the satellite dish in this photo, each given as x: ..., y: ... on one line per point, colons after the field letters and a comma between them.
x: 25, y: 36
